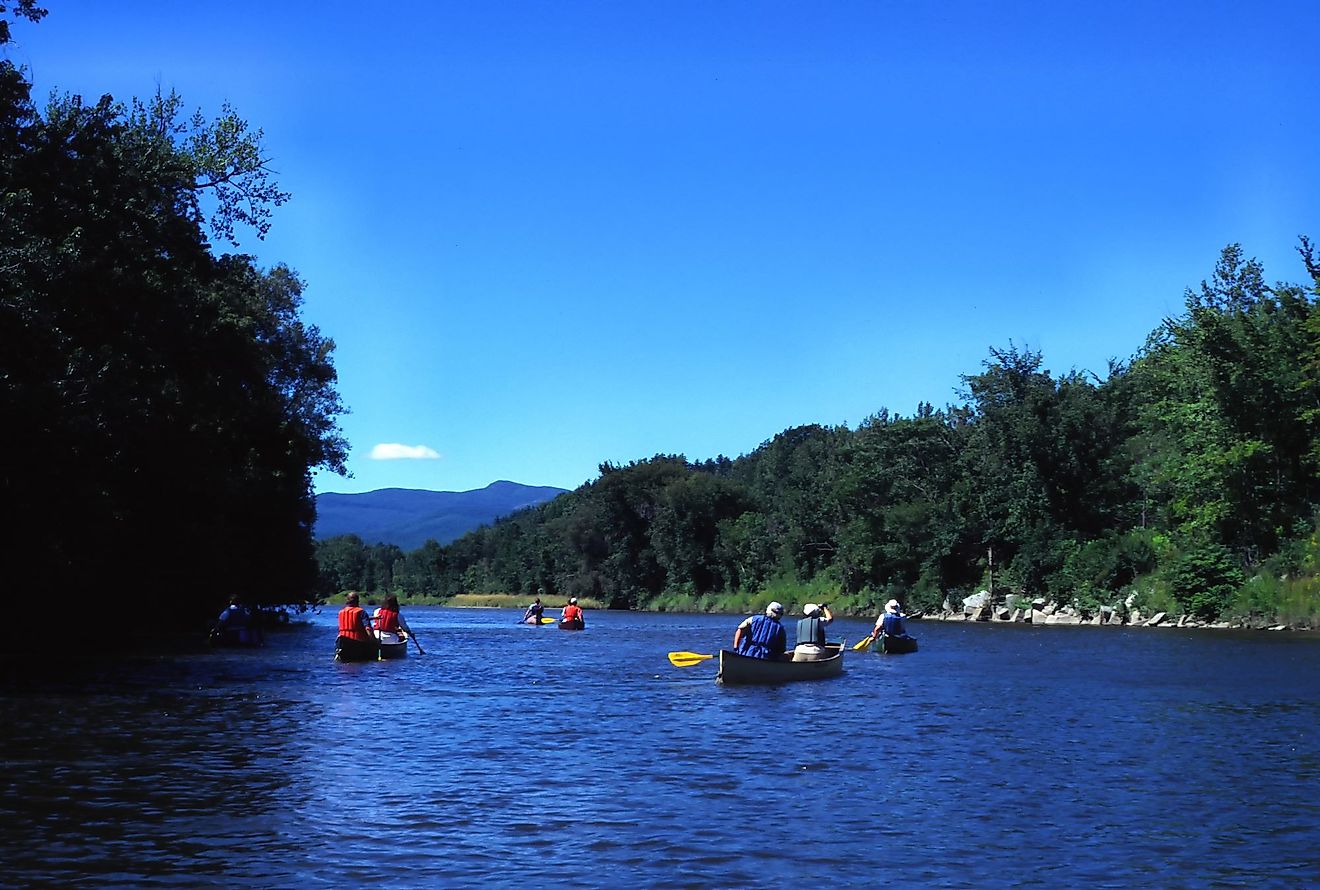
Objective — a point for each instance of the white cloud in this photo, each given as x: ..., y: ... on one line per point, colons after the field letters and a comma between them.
x: 392, y: 451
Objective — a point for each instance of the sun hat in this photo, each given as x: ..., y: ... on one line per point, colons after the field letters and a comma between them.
x: 810, y: 609
x: 891, y: 606
x: 775, y: 609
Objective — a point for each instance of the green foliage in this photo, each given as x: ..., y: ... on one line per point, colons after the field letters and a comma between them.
x: 166, y: 406
x: 1093, y: 572
x: 1154, y: 595
x: 21, y: 9
x: 1203, y: 579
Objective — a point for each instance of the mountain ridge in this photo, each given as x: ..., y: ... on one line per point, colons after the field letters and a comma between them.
x: 408, y: 517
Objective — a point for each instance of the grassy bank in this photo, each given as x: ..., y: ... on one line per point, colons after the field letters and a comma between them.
x: 463, y: 601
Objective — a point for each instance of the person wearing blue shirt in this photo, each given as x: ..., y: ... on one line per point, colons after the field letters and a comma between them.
x: 762, y: 636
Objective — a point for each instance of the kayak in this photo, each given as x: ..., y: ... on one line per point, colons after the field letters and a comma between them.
x: 891, y: 645
x: 575, y: 624
x: 743, y: 670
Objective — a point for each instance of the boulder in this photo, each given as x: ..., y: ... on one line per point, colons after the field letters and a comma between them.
x: 1039, y: 617
x: 976, y: 601
x: 1155, y: 620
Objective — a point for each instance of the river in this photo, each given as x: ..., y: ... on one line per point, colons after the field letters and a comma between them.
x: 509, y: 755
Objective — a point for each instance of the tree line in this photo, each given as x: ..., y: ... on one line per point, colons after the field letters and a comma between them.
x: 163, y: 403
x: 1184, y: 479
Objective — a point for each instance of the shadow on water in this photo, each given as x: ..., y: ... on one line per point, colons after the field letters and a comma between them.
x: 1000, y: 756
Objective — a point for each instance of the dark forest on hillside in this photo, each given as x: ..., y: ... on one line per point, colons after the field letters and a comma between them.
x: 1186, y: 477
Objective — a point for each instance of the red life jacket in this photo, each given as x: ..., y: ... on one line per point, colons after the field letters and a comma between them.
x: 388, y: 620
x: 350, y: 624
x: 571, y: 612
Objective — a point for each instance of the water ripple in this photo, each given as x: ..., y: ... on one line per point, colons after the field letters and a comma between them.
x: 511, y: 755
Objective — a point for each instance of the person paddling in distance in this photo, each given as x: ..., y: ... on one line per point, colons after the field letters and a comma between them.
x: 811, y: 632
x: 235, y: 624
x: 571, y: 612
x: 762, y: 636
x: 890, y: 622
x: 533, y: 613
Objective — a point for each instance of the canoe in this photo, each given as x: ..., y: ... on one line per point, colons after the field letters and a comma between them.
x: 393, y: 645
x: 349, y: 649
x: 575, y: 624
x: 236, y: 637
x: 891, y: 645
x: 742, y: 670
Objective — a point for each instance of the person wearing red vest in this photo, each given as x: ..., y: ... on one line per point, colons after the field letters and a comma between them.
x: 571, y: 612
x: 353, y: 621
x: 388, y: 619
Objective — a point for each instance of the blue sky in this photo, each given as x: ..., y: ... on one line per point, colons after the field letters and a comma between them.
x: 546, y: 235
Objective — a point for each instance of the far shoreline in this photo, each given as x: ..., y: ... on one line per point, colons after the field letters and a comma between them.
x: 1049, y: 616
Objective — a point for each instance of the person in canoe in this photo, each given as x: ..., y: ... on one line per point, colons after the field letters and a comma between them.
x: 811, y: 632
x: 353, y: 624
x: 762, y: 636
x: 533, y: 613
x: 890, y: 622
x: 235, y: 626
x: 572, y: 613
x: 389, y: 620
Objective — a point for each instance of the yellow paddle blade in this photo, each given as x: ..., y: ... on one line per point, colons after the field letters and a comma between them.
x: 547, y: 621
x: 687, y: 659
x: 862, y: 644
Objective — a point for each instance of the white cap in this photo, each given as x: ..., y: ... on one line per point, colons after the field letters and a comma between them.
x: 775, y: 609
x: 810, y: 609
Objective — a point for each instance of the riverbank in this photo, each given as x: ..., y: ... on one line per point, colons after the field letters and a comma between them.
x: 1038, y: 613
x: 1050, y: 614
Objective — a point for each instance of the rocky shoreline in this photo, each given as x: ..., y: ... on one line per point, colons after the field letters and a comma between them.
x: 1039, y: 612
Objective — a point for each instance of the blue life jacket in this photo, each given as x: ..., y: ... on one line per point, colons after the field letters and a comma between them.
x: 764, y: 639
x: 811, y: 630
x: 894, y: 625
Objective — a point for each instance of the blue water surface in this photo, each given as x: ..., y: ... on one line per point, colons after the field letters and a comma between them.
x: 510, y: 755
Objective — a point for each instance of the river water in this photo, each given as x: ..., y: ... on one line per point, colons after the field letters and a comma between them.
x: 511, y: 755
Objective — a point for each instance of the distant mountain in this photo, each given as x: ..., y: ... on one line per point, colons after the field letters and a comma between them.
x: 408, y: 517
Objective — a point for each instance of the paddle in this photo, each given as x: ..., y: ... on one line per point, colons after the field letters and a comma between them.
x: 862, y: 644
x: 420, y: 650
x: 687, y: 659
